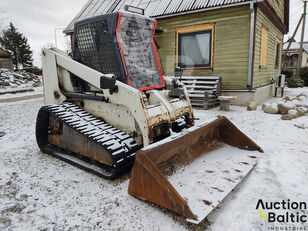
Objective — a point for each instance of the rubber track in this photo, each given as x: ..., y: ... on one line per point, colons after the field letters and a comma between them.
x: 118, y: 144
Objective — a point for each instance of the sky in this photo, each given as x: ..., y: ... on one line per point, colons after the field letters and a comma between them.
x: 42, y: 21
x: 296, y: 11
x: 39, y: 20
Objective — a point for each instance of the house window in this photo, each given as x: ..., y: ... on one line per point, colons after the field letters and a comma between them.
x: 195, y: 46
x: 264, y: 47
x: 277, y: 54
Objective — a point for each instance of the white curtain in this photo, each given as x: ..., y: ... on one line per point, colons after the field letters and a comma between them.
x: 195, y: 49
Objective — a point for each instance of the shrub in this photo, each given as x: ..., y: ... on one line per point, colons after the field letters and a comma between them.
x: 288, y: 72
x: 304, y: 75
x: 294, y: 82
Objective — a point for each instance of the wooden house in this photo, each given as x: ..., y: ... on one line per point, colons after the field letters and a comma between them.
x: 238, y: 40
x: 292, y: 56
x: 5, y: 59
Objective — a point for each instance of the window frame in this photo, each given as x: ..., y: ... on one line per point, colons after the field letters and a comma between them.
x: 193, y: 30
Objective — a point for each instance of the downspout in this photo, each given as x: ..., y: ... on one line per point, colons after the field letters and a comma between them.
x: 251, y: 45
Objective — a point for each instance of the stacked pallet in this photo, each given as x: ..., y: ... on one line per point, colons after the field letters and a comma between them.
x: 203, y: 91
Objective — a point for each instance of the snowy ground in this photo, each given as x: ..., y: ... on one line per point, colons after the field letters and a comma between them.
x: 38, y: 192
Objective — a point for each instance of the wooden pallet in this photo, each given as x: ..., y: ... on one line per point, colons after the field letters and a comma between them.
x: 203, y: 91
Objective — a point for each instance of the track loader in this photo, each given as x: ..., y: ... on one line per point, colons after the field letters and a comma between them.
x: 109, y: 109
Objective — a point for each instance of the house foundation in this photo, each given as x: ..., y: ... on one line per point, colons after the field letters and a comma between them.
x: 258, y: 95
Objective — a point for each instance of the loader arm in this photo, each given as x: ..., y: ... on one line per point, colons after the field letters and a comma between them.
x: 125, y: 94
x: 148, y: 112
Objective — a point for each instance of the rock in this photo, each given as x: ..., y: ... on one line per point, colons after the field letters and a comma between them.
x: 252, y: 106
x: 294, y: 113
x: 2, y: 134
x: 300, y: 112
x: 302, y: 98
x: 297, y: 102
x: 286, y: 117
x: 286, y: 98
x: 302, y: 125
x: 305, y: 103
x: 271, y: 109
x: 265, y: 105
x: 282, y: 109
x: 285, y: 107
x: 303, y: 109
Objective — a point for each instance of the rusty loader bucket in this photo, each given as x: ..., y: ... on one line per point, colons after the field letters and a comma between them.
x: 176, y: 174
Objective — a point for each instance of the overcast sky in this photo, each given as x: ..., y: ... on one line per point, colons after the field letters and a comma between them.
x: 38, y: 20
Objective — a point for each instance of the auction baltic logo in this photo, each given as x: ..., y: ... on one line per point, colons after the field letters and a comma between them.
x: 289, y: 213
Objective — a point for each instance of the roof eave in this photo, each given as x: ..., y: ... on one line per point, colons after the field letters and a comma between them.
x: 68, y: 30
x: 206, y: 9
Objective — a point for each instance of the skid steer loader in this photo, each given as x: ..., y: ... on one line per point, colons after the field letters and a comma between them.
x: 109, y: 109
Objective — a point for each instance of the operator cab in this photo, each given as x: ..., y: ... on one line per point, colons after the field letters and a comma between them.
x: 122, y: 44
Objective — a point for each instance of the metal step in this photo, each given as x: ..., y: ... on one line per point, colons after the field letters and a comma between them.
x: 200, y: 87
x: 198, y: 77
x: 201, y: 92
x: 199, y: 82
x: 200, y: 96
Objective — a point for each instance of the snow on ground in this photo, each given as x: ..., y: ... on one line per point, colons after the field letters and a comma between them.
x: 39, y: 192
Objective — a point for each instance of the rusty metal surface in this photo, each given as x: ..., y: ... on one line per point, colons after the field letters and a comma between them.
x: 201, y: 139
x: 70, y: 140
x: 153, y: 8
x: 148, y: 181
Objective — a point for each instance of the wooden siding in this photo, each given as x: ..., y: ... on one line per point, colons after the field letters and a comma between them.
x: 262, y: 76
x: 231, y: 44
x: 6, y: 63
x: 278, y: 6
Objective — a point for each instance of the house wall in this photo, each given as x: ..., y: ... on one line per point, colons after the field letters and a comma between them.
x: 305, y: 59
x: 231, y: 44
x: 294, y: 54
x: 263, y: 76
x: 278, y: 6
x: 6, y: 63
